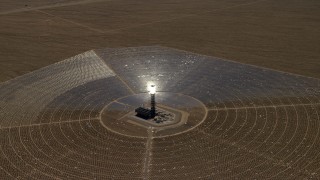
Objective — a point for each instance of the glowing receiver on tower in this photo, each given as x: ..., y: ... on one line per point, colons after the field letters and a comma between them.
x: 152, y: 89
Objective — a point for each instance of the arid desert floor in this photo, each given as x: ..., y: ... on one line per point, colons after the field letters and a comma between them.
x: 75, y: 119
x: 277, y: 34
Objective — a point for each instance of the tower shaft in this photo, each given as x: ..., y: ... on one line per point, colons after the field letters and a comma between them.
x: 153, y: 105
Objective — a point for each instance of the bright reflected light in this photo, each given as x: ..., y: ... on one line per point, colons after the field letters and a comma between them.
x: 152, y: 89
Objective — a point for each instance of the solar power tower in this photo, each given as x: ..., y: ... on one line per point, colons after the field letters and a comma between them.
x: 152, y: 91
x: 146, y: 113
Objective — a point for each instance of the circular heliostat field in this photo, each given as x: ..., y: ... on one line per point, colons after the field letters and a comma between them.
x: 119, y: 116
x: 76, y: 119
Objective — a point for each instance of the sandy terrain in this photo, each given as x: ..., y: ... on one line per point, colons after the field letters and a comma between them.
x: 282, y: 35
x: 256, y: 123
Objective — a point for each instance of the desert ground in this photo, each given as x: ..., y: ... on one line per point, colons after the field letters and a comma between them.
x: 70, y: 120
x: 277, y: 34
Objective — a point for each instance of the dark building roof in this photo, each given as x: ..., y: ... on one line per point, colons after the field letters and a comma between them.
x: 143, y: 112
